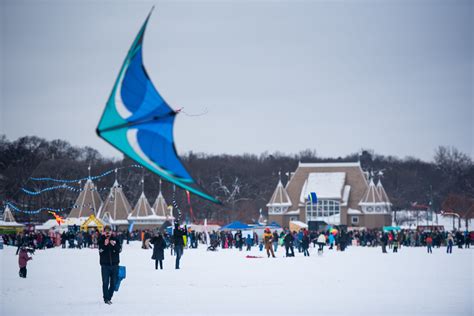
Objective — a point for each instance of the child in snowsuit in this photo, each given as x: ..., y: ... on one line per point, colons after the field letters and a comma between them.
x: 22, y: 261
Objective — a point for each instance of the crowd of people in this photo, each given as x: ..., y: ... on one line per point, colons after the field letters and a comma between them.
x: 181, y: 238
x: 290, y: 240
x: 110, y: 243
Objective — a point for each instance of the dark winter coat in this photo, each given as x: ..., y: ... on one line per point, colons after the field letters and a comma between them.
x: 159, y: 245
x: 289, y: 240
x: 178, y: 235
x: 305, y: 242
x: 109, y: 255
x: 275, y: 237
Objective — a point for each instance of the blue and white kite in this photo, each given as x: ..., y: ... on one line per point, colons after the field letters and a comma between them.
x: 138, y: 122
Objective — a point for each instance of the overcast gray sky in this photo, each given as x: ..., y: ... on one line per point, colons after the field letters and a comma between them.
x: 335, y: 76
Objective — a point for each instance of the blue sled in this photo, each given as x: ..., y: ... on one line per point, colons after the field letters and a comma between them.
x: 122, y: 272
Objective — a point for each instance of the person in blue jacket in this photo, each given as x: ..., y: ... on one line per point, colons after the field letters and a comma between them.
x: 249, y: 242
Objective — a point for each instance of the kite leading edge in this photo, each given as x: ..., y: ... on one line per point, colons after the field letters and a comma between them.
x: 138, y: 122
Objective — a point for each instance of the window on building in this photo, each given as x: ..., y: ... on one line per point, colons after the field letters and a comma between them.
x: 277, y: 210
x: 355, y: 219
x: 370, y: 209
x: 323, y: 208
x: 293, y: 218
x: 378, y: 209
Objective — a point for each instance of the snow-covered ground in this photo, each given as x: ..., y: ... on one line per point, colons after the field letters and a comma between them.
x: 360, y: 281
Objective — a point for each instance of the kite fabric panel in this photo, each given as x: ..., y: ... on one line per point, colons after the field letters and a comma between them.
x: 138, y: 122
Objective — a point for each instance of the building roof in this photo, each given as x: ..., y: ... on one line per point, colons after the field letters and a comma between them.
x: 354, y: 177
x: 10, y: 224
x: 88, y: 202
x: 293, y: 212
x: 8, y: 220
x: 280, y: 197
x: 328, y: 164
x: 49, y: 224
x: 371, y: 195
x: 8, y: 216
x: 326, y: 185
x: 142, y: 208
x: 345, y: 195
x: 160, y: 207
x: 352, y: 211
x: 333, y: 219
x: 383, y: 195
x: 116, y: 207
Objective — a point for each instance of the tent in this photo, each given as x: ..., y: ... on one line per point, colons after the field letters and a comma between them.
x: 297, y: 225
x: 202, y: 228
x: 273, y: 225
x: 167, y: 226
x: 391, y: 228
x: 89, y: 223
x: 8, y: 223
x: 236, y: 226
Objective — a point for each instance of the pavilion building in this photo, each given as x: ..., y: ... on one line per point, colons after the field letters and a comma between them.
x: 345, y: 197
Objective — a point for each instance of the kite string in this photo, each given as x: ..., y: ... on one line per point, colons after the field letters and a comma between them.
x: 180, y: 110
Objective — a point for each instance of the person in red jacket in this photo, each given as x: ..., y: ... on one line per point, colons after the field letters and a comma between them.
x: 429, y: 243
x: 22, y: 261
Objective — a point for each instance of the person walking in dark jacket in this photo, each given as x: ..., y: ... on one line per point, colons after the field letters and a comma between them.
x: 109, y: 253
x: 384, y: 240
x: 288, y: 240
x: 178, y: 242
x: 305, y: 243
x: 159, y: 245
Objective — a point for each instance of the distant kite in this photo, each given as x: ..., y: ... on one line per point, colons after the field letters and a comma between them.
x: 58, y: 218
x: 138, y: 122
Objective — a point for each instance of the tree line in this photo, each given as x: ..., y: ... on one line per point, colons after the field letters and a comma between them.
x: 244, y: 183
